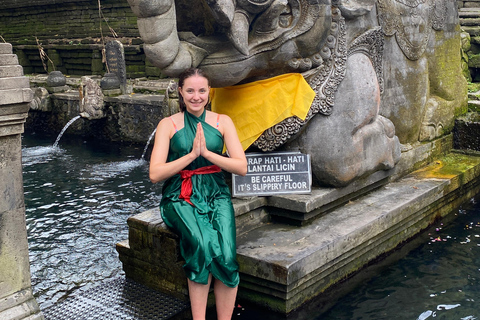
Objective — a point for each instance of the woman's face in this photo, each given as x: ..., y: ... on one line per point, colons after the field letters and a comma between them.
x: 195, y: 93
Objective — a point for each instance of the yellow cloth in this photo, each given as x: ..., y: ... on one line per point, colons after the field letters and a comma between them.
x: 254, y: 107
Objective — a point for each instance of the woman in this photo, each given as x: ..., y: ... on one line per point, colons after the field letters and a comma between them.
x: 196, y: 201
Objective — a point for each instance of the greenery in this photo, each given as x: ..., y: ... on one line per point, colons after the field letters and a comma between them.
x: 473, y: 86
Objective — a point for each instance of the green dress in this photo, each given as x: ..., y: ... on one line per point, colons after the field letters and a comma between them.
x: 206, y: 228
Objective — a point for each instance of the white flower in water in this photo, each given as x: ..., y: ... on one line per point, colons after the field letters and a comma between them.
x: 447, y: 306
x: 425, y: 315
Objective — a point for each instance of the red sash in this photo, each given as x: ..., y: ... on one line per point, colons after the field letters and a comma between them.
x: 186, y: 175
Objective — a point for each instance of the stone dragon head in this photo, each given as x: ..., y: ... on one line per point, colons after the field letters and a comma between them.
x: 234, y: 41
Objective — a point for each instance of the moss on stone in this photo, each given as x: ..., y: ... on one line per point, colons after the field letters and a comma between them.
x: 473, y: 86
x: 448, y: 167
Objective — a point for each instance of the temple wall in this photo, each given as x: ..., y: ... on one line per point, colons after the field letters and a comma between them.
x: 51, y: 20
x: 69, y: 33
x: 468, y: 3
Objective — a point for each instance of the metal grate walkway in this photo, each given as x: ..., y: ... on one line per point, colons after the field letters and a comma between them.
x: 116, y: 300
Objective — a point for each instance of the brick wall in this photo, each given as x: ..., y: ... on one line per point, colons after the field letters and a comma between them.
x: 469, y: 4
x: 70, y: 32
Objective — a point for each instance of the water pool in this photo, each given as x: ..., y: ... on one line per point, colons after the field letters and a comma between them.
x: 78, y: 198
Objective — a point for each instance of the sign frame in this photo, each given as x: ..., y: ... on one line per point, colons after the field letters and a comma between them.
x: 274, y: 173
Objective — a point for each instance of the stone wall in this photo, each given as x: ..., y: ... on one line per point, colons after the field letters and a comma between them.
x: 129, y: 119
x: 71, y: 32
x: 469, y: 4
x: 64, y: 20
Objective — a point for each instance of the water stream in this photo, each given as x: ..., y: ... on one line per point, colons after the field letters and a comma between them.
x: 148, y: 143
x: 55, y: 144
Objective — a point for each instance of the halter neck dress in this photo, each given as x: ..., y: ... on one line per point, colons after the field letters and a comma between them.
x: 206, y: 227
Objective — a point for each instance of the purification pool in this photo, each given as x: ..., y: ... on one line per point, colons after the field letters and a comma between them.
x: 79, y: 195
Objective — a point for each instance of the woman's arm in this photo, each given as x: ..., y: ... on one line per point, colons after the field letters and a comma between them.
x: 236, y: 162
x: 160, y: 169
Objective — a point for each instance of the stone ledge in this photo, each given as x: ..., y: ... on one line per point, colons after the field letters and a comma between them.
x: 11, y: 71
x: 303, y: 262
x: 144, y: 99
x: 12, y: 123
x: 5, y: 48
x: 15, y: 96
x: 150, y: 221
x: 474, y: 105
x: 307, y: 206
x: 8, y: 59
x: 14, y: 83
x: 20, y: 305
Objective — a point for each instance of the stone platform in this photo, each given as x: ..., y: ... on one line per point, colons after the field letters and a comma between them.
x: 118, y: 299
x: 293, y: 248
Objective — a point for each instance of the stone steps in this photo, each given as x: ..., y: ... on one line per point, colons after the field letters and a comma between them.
x: 470, y: 20
x: 330, y: 234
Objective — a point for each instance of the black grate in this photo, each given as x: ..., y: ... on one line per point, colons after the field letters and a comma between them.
x: 116, y: 300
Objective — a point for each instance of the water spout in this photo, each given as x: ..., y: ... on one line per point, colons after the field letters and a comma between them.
x: 64, y: 129
x: 148, y: 143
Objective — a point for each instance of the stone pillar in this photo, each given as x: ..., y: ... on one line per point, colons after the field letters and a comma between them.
x: 16, y: 298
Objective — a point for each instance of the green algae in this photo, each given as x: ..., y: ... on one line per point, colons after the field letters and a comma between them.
x: 449, y: 167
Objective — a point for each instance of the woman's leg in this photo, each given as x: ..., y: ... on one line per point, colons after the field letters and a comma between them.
x: 224, y: 300
x: 198, y: 294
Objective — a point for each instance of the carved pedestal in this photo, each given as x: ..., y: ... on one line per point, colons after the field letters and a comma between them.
x: 16, y: 299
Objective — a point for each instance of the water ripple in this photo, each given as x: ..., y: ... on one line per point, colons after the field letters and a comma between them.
x: 77, y: 204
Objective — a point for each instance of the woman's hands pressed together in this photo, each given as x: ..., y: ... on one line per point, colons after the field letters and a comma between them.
x: 199, y: 147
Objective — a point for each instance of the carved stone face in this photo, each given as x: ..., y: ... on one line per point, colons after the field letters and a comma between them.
x: 410, y: 21
x: 235, y: 41
x: 415, y: 26
x: 284, y: 31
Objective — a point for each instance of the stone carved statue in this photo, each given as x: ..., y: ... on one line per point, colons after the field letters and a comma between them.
x: 429, y: 82
x: 337, y: 45
x: 171, y: 98
x: 41, y: 100
x: 91, y: 104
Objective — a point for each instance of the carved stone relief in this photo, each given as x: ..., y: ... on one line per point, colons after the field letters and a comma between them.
x: 412, y: 22
x: 91, y: 106
x: 337, y: 45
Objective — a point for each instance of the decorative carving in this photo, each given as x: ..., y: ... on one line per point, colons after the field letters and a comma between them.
x: 411, y: 21
x: 411, y: 3
x: 439, y: 15
x: 91, y: 106
x: 171, y: 98
x: 324, y: 80
x: 371, y: 43
x: 41, y: 100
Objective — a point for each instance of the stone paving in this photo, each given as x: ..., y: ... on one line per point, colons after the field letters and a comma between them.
x: 118, y: 299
